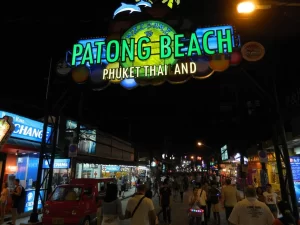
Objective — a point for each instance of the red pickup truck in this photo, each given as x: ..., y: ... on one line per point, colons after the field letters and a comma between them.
x: 74, y: 203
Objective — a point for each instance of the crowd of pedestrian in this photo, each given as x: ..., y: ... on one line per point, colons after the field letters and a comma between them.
x: 209, y: 197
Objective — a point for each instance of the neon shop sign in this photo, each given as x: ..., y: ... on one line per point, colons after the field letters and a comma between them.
x: 152, y: 48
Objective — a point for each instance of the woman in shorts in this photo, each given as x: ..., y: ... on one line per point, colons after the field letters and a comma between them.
x: 3, y: 200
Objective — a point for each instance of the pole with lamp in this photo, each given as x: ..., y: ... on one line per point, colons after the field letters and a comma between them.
x: 216, y: 153
x: 246, y: 8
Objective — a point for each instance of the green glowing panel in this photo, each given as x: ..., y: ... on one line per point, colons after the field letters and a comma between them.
x: 153, y: 30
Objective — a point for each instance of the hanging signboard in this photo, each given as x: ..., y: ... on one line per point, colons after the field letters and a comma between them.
x: 263, y: 156
x: 153, y: 52
x: 6, y: 129
x: 253, y: 51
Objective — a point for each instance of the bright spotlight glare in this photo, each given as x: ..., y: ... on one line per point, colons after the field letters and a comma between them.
x: 245, y: 7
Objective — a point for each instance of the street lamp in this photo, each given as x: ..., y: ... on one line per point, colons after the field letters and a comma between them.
x: 199, y: 143
x: 246, y: 7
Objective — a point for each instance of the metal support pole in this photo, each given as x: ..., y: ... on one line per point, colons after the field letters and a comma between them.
x: 80, y: 106
x: 34, y: 214
x: 279, y: 165
x: 51, y: 164
x: 273, y: 100
x: 286, y: 157
x: 77, y: 131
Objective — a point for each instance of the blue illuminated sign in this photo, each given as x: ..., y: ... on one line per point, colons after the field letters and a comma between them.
x: 112, y: 168
x: 58, y: 164
x: 30, y: 199
x: 295, y: 166
x: 27, y: 129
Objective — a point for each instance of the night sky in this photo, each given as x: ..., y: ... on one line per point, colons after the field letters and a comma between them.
x: 181, y: 114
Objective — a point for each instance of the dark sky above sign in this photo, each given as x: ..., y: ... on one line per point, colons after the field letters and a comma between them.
x: 214, y: 109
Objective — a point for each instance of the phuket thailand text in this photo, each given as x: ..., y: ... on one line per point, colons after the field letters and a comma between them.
x: 149, y: 71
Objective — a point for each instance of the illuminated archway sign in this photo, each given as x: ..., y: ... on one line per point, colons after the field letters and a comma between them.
x: 153, y: 49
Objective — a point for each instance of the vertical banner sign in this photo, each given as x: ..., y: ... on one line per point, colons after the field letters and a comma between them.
x: 295, y: 165
x: 6, y: 129
x: 73, y: 148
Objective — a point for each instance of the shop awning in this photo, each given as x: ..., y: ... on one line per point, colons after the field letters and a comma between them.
x: 99, y: 160
x: 20, y: 144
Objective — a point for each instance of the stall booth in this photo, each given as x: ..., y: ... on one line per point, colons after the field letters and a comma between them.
x: 20, y: 157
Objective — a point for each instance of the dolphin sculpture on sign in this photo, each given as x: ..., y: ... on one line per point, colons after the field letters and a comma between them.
x: 126, y: 7
x: 144, y: 3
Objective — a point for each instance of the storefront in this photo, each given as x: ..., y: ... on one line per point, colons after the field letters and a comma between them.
x: 255, y: 167
x: 232, y: 167
x: 61, y: 171
x: 96, y: 171
x: 20, y: 156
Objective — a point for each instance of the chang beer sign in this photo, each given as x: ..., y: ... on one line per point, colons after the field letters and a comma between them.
x: 153, y: 49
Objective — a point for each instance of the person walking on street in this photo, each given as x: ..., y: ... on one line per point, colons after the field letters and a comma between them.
x: 111, y: 211
x: 202, y: 199
x: 250, y: 211
x: 155, y: 187
x: 3, y: 201
x: 120, y: 184
x: 207, y: 189
x: 181, y: 189
x: 230, y: 197
x: 140, y: 209
x: 18, y: 197
x: 165, y: 202
x: 194, y: 203
x: 214, y: 195
x: 271, y: 200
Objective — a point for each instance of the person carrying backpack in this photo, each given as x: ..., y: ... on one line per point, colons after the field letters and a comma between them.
x: 18, y: 197
x: 214, y: 196
x: 165, y: 202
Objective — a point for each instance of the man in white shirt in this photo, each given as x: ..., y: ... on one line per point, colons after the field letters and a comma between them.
x: 142, y: 214
x: 250, y: 211
x: 271, y: 199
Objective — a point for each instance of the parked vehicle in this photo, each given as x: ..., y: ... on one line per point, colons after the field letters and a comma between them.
x: 75, y: 203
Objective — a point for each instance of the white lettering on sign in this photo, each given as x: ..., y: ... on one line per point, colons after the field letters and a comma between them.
x: 57, y: 164
x: 28, y: 131
x: 20, y: 120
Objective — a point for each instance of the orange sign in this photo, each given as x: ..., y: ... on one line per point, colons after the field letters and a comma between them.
x: 6, y: 128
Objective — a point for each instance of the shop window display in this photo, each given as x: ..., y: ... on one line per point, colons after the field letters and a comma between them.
x: 87, y: 142
x: 27, y: 169
x: 87, y: 170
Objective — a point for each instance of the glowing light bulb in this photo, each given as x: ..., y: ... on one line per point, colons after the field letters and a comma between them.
x: 246, y: 7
